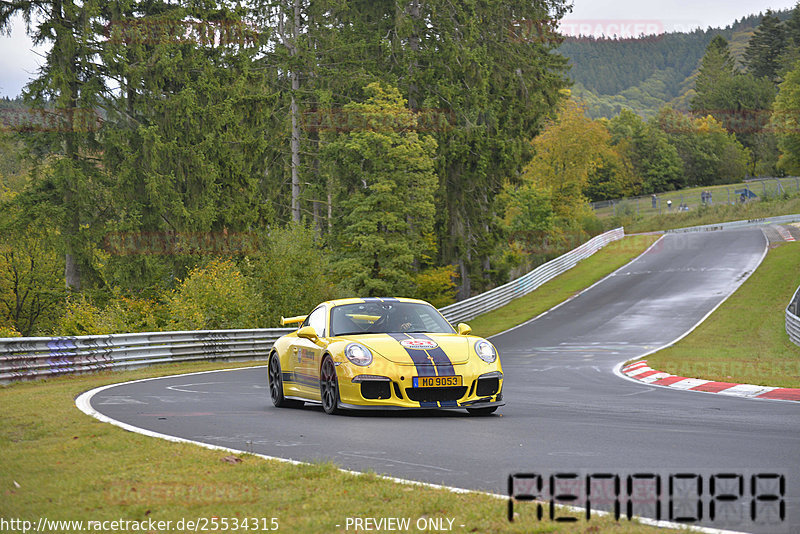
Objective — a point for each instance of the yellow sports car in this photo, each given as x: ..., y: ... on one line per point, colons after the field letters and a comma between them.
x: 383, y: 353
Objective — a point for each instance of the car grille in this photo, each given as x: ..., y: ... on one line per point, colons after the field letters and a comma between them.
x: 488, y: 386
x: 436, y: 394
x: 373, y: 389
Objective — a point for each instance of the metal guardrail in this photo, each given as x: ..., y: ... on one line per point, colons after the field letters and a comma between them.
x: 25, y: 358
x: 792, y: 319
x: 38, y: 357
x: 500, y: 296
x: 783, y: 219
x: 684, y: 201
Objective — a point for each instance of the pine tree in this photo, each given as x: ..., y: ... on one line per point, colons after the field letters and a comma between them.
x: 67, y: 93
x: 187, y: 147
x: 385, y: 195
x: 764, y: 51
x: 716, y: 66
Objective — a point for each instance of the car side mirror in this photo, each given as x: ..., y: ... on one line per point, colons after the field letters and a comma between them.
x: 308, y: 332
x: 464, y: 329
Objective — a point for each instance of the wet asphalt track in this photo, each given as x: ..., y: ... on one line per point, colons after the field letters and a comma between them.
x: 566, y: 411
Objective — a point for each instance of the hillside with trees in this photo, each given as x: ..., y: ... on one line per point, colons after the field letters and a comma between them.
x: 643, y: 74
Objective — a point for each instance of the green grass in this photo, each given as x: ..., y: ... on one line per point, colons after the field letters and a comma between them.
x: 708, y: 215
x: 61, y: 464
x: 745, y: 340
x: 721, y: 195
x: 567, y: 285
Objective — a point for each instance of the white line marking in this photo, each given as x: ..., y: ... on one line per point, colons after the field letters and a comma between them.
x: 178, y: 387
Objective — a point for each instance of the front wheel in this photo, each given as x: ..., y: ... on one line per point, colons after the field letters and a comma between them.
x: 482, y: 411
x: 276, y: 384
x: 329, y: 386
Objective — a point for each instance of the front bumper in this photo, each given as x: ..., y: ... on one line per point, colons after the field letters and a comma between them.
x: 397, y: 391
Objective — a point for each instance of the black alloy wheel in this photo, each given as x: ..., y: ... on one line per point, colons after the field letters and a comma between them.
x: 276, y: 384
x: 329, y: 386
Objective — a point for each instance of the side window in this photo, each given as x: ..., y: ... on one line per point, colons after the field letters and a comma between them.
x: 317, y: 320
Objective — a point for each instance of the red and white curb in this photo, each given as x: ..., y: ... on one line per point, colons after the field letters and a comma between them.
x: 640, y: 371
x: 785, y: 234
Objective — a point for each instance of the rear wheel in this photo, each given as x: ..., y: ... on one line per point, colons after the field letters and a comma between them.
x: 276, y: 384
x: 482, y: 411
x: 329, y: 386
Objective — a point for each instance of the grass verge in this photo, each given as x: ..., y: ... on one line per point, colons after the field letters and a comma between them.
x: 691, y: 196
x: 60, y: 464
x: 745, y: 340
x: 566, y: 285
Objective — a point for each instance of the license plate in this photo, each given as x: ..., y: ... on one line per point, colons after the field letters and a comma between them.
x: 436, y: 381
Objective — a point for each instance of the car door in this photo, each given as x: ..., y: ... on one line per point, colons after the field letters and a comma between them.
x: 306, y: 356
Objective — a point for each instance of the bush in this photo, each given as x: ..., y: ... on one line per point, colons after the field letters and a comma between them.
x: 436, y: 285
x: 31, y: 282
x: 9, y: 331
x: 119, y: 315
x: 217, y: 296
x: 292, y: 275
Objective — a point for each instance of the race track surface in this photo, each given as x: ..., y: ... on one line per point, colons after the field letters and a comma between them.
x: 566, y: 410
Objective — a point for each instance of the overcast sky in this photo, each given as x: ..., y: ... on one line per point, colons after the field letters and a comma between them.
x: 625, y: 18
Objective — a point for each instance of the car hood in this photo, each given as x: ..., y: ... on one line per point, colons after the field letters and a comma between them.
x: 398, y: 348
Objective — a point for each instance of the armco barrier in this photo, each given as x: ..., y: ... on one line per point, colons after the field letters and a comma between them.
x: 500, y: 296
x: 37, y: 357
x: 25, y: 358
x: 792, y: 319
x: 783, y: 219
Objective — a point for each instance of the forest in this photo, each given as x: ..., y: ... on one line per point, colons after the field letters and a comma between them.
x: 204, y: 165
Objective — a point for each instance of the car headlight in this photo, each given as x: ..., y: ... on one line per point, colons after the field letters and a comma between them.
x: 486, y: 351
x: 358, y: 354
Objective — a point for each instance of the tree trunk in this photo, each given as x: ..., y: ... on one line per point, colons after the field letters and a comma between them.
x: 295, y: 122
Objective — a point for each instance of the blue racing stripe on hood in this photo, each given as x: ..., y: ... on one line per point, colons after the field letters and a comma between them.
x: 443, y: 364
x: 419, y: 357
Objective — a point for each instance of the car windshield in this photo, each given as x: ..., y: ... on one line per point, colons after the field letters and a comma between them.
x: 387, y: 318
